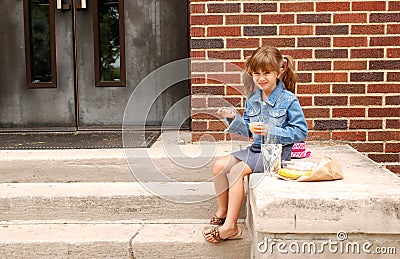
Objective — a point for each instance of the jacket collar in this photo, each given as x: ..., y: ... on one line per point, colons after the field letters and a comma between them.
x: 256, y: 96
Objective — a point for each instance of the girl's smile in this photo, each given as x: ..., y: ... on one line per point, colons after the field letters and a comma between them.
x: 265, y: 80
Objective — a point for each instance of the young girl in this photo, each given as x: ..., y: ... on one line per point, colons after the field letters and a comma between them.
x: 271, y: 100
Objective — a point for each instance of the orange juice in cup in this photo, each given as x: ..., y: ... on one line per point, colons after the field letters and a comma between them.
x: 255, y: 127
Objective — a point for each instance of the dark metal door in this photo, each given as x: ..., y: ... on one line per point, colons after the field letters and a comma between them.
x: 81, y: 75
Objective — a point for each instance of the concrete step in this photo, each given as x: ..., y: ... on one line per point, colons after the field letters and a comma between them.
x: 104, y: 201
x: 115, y: 240
x: 186, y: 163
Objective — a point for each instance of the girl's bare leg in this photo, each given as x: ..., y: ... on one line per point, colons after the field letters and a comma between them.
x: 235, y: 200
x: 221, y: 184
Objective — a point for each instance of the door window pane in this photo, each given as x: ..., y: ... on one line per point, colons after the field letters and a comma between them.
x: 39, y: 34
x: 40, y: 41
x: 110, y: 40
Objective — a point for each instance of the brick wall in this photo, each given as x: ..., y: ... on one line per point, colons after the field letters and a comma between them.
x: 347, y: 55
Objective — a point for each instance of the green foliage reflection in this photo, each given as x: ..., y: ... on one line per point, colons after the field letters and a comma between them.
x: 109, y: 40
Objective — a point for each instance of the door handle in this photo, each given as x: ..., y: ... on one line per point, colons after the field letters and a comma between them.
x: 62, y: 6
x: 82, y: 5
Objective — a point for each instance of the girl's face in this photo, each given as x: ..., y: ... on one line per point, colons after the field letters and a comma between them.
x: 265, y: 80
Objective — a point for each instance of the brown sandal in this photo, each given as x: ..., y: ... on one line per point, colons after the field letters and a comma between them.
x: 214, y: 232
x: 217, y: 221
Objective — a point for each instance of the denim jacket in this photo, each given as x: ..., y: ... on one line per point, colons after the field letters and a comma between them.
x: 282, y: 112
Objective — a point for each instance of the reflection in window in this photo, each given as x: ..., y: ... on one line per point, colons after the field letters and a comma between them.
x: 109, y: 40
x: 40, y: 50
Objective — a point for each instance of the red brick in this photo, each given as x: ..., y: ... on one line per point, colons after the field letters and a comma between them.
x: 332, y: 30
x: 369, y: 6
x: 394, y: 5
x: 367, y: 29
x: 297, y: 7
x: 350, y: 65
x: 394, y: 168
x: 234, y: 90
x: 207, y: 136
x: 304, y: 77
x: 349, y: 88
x: 330, y: 100
x: 349, y: 135
x: 384, y: 17
x: 305, y: 100
x: 296, y: 30
x: 348, y: 112
x: 350, y: 41
x: 314, y: 42
x: 242, y: 43
x: 224, y: 8
x: 316, y: 112
x: 393, y: 53
x: 384, y: 158
x: 393, y: 29
x: 384, y: 41
x: 331, y: 77
x: 392, y: 100
x: 383, y: 88
x: 205, y: 66
x: 393, y: 123
x: 197, y: 8
x: 279, y: 42
x: 333, y: 6
x: 319, y: 135
x: 366, y: 124
x: 208, y: 89
x: 204, y: 114
x: 331, y: 53
x: 224, y: 54
x: 222, y: 102
x: 350, y: 18
x: 241, y: 19
x: 277, y: 19
x: 384, y: 64
x: 198, y: 79
x: 206, y: 19
x: 225, y: 78
x: 314, y: 65
x: 366, y: 76
x: 367, y: 53
x: 199, y: 102
x: 313, y: 89
x: 392, y: 147
x: 366, y: 100
x: 199, y: 125
x: 259, y: 7
x: 367, y: 146
x: 224, y: 31
x: 383, y: 135
x: 197, y: 31
x: 216, y: 125
x: 198, y: 54
x: 298, y: 53
x: 393, y: 77
x: 384, y: 112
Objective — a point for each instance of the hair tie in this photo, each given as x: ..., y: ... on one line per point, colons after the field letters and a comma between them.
x: 283, y: 57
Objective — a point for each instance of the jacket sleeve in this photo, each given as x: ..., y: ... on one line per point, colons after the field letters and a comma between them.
x: 239, y: 125
x: 296, y: 129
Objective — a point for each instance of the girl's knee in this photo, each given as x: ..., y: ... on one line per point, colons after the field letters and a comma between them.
x: 240, y: 170
x: 221, y: 166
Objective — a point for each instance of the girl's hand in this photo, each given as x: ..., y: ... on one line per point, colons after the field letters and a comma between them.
x: 259, y: 128
x: 226, y: 112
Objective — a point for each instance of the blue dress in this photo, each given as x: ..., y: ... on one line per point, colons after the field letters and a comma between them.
x: 286, y: 124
